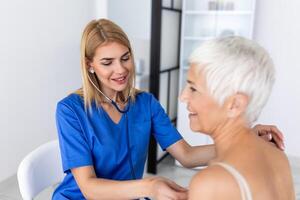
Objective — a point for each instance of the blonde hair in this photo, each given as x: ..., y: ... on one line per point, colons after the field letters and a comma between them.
x: 95, y: 34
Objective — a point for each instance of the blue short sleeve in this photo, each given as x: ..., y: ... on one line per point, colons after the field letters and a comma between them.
x: 162, y: 128
x: 74, y: 147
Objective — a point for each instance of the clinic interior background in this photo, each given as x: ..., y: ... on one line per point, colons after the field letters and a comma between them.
x: 39, y: 60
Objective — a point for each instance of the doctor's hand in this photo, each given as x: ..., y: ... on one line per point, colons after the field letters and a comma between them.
x: 270, y: 133
x: 164, y: 189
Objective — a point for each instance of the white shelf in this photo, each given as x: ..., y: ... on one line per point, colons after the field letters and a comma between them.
x: 218, y: 12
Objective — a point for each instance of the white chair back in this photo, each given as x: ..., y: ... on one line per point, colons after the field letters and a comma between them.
x: 40, y: 169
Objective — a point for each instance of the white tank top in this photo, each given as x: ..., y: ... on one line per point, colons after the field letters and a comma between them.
x: 243, y: 185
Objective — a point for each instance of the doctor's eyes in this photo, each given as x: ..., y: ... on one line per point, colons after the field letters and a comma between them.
x: 109, y: 62
x: 106, y: 63
x: 125, y: 58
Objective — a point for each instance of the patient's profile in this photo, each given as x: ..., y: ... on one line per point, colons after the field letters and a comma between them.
x: 228, y: 83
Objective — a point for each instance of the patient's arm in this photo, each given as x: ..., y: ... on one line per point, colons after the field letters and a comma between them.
x: 213, y: 183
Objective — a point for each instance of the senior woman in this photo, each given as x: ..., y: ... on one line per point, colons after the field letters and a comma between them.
x: 228, y: 83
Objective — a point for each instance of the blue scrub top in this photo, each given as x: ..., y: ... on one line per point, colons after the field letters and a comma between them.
x: 94, y: 139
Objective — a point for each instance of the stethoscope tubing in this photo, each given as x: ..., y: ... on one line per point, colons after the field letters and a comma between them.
x: 125, y: 111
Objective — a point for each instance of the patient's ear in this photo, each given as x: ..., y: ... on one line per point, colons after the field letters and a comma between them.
x: 236, y: 105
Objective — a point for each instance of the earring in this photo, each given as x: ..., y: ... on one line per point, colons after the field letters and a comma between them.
x: 91, y: 70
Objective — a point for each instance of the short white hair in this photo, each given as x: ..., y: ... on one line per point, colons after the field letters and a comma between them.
x: 235, y: 64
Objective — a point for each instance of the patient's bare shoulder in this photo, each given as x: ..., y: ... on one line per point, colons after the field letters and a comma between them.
x: 213, y: 182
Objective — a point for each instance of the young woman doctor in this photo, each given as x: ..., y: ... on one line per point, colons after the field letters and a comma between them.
x: 104, y: 127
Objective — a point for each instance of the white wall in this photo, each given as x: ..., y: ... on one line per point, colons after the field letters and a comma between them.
x: 39, y: 62
x: 132, y: 15
x: 99, y: 9
x: 277, y: 28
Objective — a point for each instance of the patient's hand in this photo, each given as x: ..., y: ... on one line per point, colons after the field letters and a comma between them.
x: 270, y: 133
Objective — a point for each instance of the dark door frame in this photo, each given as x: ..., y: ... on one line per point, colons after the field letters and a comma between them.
x: 156, y: 23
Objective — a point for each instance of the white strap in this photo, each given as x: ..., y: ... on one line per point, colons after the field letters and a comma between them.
x: 243, y: 185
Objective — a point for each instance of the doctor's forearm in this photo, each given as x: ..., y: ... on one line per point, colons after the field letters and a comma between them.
x: 191, y: 156
x: 96, y: 188
x: 93, y: 187
x: 199, y: 155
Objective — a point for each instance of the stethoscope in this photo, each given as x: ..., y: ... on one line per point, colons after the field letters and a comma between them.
x: 125, y: 111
